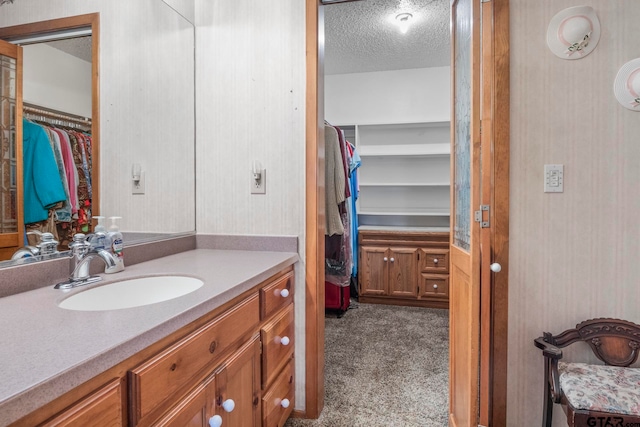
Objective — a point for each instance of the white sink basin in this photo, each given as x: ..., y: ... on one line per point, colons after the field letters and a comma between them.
x: 132, y: 293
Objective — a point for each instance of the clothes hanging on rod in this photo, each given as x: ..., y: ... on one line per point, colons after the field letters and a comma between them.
x: 69, y: 139
x: 341, y: 163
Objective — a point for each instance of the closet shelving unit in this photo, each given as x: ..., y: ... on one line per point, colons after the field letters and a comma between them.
x: 404, y: 178
x: 403, y: 212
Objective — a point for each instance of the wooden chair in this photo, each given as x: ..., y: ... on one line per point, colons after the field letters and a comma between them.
x: 594, y: 395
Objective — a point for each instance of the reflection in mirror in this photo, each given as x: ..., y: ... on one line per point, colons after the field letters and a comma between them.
x: 143, y: 113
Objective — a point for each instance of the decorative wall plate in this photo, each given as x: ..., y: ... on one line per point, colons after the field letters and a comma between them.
x: 627, y: 85
x: 574, y: 32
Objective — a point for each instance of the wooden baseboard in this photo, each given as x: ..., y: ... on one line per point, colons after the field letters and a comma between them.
x: 296, y: 413
x: 404, y: 302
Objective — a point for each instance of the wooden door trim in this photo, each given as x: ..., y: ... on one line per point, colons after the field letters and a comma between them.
x: 90, y: 20
x: 314, y: 215
x: 498, y: 287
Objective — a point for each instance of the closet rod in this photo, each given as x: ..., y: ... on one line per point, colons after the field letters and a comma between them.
x: 32, y: 109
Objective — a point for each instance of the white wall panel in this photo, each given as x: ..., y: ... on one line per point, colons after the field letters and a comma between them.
x: 65, y: 86
x: 251, y: 106
x: 573, y: 256
x: 400, y: 96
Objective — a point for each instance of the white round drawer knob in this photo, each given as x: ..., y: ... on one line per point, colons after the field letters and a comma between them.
x: 495, y: 267
x: 285, y: 341
x: 285, y: 403
x: 215, y: 421
x: 435, y: 261
x: 284, y: 293
x: 385, y: 259
x: 392, y: 259
x: 435, y: 286
x: 228, y: 405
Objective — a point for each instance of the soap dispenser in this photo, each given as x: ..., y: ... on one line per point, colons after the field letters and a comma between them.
x: 117, y: 246
x: 98, y: 239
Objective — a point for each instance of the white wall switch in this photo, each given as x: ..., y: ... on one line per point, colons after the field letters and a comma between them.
x: 137, y: 186
x: 553, y: 178
x: 259, y: 181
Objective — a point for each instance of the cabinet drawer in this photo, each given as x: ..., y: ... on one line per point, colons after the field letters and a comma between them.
x: 276, y: 351
x: 272, y: 297
x: 274, y: 413
x: 102, y: 408
x: 434, y: 261
x: 434, y: 286
x: 161, y: 376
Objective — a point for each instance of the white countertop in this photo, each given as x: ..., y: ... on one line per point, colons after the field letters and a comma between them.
x: 47, y: 351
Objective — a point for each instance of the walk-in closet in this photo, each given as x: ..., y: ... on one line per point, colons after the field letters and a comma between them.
x: 387, y: 154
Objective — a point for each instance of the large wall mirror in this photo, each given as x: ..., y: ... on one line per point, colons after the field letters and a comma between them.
x: 117, y: 78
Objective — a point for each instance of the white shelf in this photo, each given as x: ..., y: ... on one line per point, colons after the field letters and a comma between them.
x: 402, y: 228
x: 405, y: 173
x: 439, y: 149
x: 382, y: 211
x: 404, y: 184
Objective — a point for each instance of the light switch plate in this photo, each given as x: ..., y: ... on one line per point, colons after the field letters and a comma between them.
x: 553, y: 178
x: 138, y: 187
x: 259, y: 187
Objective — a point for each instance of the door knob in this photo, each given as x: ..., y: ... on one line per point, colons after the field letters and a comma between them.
x: 215, y: 421
x: 228, y: 405
x: 495, y: 267
x: 385, y: 259
x: 392, y: 260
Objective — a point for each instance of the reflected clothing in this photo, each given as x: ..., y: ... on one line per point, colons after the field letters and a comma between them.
x: 42, y: 185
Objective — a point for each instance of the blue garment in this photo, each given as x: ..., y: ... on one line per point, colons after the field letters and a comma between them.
x: 41, y: 179
x: 353, y: 166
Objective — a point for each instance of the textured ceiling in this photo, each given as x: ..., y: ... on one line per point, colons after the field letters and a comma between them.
x: 80, y: 47
x: 362, y: 36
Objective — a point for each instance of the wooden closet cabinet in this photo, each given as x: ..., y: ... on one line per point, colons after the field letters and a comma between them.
x: 404, y: 267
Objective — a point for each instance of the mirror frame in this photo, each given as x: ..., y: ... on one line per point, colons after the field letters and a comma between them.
x: 92, y: 21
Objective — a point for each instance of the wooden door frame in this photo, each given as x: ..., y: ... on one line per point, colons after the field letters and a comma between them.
x: 496, y: 289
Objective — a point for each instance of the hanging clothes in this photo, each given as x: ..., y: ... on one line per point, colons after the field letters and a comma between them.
x: 335, y: 184
x: 43, y: 188
x: 354, y: 164
x: 72, y: 156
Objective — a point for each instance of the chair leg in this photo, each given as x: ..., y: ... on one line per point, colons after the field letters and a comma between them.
x: 547, y: 410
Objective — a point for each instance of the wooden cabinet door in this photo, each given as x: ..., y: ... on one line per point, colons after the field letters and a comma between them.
x: 402, y: 272
x: 195, y: 409
x: 374, y: 270
x: 239, y: 381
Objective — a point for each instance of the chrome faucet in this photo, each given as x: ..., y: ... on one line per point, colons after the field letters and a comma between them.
x: 46, y: 246
x: 82, y: 252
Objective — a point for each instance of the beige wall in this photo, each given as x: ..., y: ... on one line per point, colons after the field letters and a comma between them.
x: 250, y: 79
x: 573, y: 256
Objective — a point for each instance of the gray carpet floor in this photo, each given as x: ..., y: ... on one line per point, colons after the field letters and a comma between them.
x: 385, y: 366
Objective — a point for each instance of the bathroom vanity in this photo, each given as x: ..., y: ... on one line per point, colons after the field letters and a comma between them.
x: 221, y: 354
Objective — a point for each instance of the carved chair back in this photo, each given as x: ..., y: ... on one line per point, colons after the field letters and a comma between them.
x: 616, y: 342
